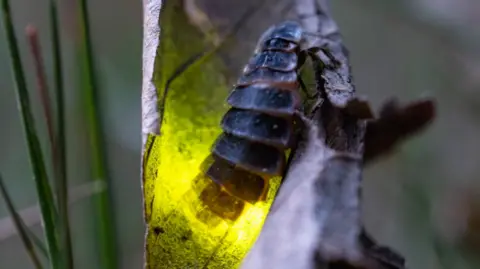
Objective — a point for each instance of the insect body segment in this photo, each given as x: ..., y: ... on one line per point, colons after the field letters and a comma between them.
x: 275, y: 60
x: 285, y: 36
x: 269, y: 100
x: 259, y: 126
x: 249, y: 155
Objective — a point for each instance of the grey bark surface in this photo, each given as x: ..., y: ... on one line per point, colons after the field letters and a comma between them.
x: 151, y: 40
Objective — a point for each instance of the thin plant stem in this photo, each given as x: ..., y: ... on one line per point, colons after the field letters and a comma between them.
x: 61, y: 186
x: 57, y: 149
x: 36, y: 241
x: 44, y: 192
x: 32, y: 38
x: 106, y: 227
x: 20, y: 227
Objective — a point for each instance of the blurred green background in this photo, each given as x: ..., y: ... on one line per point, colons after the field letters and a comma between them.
x: 422, y: 200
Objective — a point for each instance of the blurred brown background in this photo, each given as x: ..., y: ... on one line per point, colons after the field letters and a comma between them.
x: 422, y: 200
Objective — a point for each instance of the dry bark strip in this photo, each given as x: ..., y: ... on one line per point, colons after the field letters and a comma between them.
x: 151, y: 41
x: 315, y: 221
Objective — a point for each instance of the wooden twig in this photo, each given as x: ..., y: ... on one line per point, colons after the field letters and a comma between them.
x: 315, y: 221
x: 395, y: 124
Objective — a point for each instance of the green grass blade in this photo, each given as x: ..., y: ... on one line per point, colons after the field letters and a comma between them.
x: 19, y: 225
x: 106, y: 228
x: 57, y: 141
x: 36, y: 159
x: 32, y: 37
x: 36, y: 241
x: 61, y: 187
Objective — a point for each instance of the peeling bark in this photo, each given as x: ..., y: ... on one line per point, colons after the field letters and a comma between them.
x: 151, y: 41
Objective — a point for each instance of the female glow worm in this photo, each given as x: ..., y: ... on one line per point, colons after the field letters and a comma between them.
x: 260, y: 125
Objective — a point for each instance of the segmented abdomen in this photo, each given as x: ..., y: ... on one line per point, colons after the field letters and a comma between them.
x: 258, y: 127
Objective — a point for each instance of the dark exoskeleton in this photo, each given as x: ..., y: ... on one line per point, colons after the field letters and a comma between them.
x: 261, y: 123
